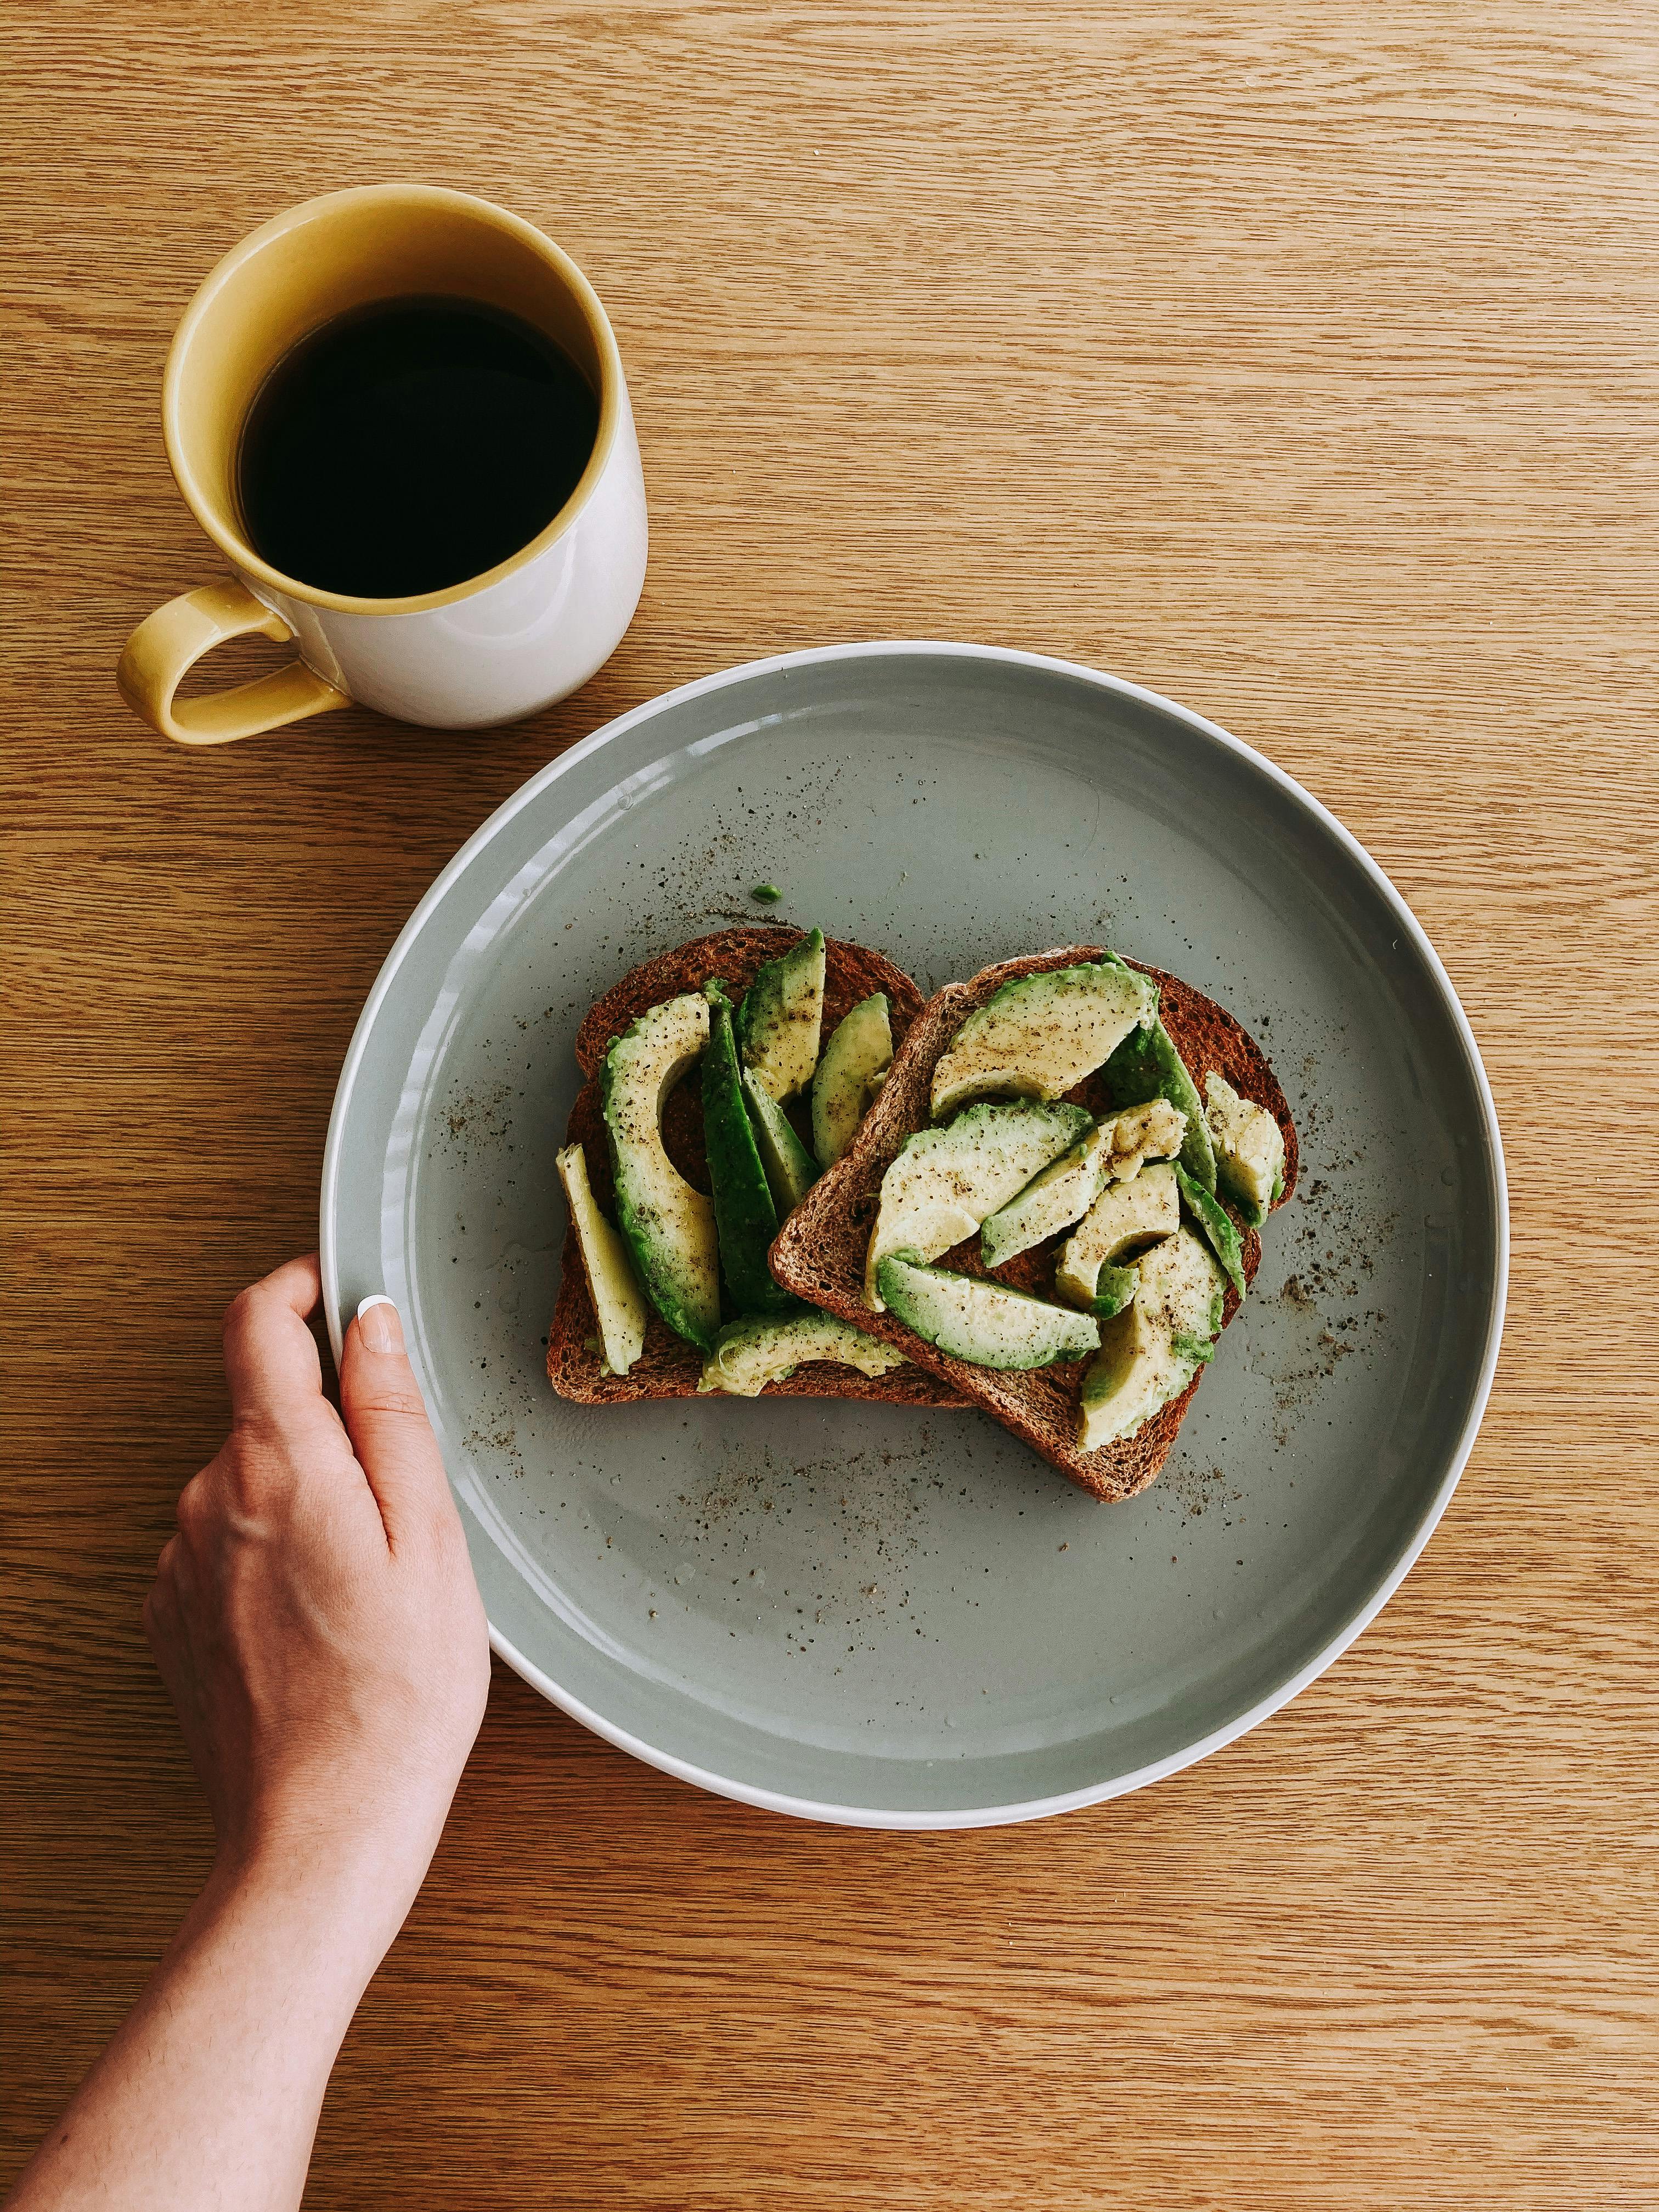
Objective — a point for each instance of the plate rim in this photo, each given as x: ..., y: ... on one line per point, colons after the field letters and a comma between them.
x: 906, y: 1819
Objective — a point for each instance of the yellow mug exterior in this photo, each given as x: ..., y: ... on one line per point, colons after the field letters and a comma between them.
x: 169, y: 642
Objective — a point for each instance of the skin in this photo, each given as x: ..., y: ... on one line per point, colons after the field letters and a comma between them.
x: 318, y: 1629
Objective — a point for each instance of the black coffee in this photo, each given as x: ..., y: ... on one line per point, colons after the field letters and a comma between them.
x: 410, y: 445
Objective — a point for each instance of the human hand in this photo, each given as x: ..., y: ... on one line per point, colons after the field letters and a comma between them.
x: 315, y: 1618
x: 317, y: 1622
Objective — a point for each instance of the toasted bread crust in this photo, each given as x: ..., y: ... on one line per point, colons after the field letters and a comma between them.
x: 819, y: 1253
x: 669, y: 1367
x: 851, y: 972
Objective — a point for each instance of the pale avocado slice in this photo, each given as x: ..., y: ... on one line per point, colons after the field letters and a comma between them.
x: 781, y: 1015
x: 1154, y: 1130
x: 1125, y: 1217
x: 1152, y: 1350
x: 1249, y: 1149
x: 669, y: 1226
x: 1218, y: 1231
x: 943, y: 1182
x: 618, y: 1303
x: 1114, y: 1288
x: 1039, y: 1035
x: 744, y: 1206
x: 857, y: 1056
x: 1147, y: 1066
x: 1062, y: 1194
x: 983, y: 1321
x: 791, y: 1171
x: 747, y: 1354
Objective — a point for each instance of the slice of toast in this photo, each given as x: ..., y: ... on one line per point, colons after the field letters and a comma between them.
x: 669, y: 1367
x: 819, y: 1252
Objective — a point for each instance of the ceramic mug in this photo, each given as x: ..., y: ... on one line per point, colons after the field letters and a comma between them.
x: 491, y: 649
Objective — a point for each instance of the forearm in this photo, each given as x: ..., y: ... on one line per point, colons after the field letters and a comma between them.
x: 316, y: 1621
x: 209, y: 2095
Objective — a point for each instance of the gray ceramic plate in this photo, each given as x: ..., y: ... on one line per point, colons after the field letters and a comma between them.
x: 845, y: 1611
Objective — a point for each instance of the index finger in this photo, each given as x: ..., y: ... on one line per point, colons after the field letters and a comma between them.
x: 270, y: 1356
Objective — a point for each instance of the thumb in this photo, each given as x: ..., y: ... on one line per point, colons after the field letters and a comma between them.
x: 386, y: 1417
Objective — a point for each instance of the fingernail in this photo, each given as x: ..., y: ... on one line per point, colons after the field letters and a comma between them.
x: 378, y: 1324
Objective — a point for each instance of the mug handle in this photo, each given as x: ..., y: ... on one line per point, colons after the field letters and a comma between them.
x: 173, y: 639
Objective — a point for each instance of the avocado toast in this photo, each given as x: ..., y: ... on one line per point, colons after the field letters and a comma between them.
x: 682, y: 1058
x: 1153, y: 1133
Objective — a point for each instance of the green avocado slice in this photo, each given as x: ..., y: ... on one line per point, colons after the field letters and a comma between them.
x: 1148, y: 1066
x: 1055, y: 1197
x: 748, y: 1354
x: 859, y: 1052
x: 1039, y: 1035
x: 1218, y: 1231
x: 1249, y: 1149
x: 982, y: 1320
x: 1251, y: 1210
x: 1155, y: 1346
x: 744, y: 1214
x: 944, y: 1182
x: 780, y: 1017
x: 1114, y: 1287
x: 791, y: 1171
x: 619, y: 1305
x: 669, y: 1226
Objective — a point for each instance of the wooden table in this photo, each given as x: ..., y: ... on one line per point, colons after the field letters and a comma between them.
x: 1294, y: 360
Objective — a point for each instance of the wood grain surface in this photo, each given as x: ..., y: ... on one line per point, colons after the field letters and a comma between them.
x: 1294, y: 359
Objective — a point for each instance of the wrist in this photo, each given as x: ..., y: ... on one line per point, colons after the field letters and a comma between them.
x: 347, y: 1892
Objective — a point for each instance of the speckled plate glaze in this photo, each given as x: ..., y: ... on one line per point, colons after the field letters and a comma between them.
x: 848, y: 1612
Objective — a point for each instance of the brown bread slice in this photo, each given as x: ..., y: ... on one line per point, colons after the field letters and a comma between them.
x: 819, y: 1252
x: 670, y: 1367
x: 851, y: 972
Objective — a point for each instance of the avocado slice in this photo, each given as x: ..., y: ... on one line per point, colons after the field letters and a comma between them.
x: 618, y: 1302
x: 1114, y: 1288
x: 791, y: 1171
x: 1219, y: 1233
x: 985, y: 1322
x: 1039, y: 1035
x: 743, y: 1208
x: 1152, y: 1350
x: 781, y: 1016
x: 1125, y: 1217
x: 747, y: 1354
x: 1249, y: 1149
x: 669, y: 1226
x: 1147, y: 1066
x: 944, y: 1182
x: 1154, y: 1130
x: 1062, y: 1194
x: 857, y: 1056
